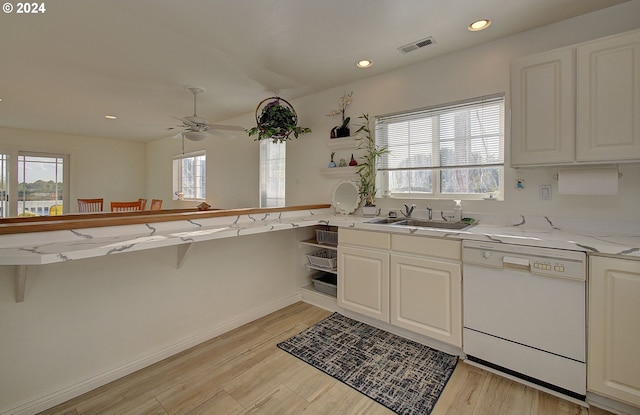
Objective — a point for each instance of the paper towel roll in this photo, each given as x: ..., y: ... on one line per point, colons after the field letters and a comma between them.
x: 588, y: 181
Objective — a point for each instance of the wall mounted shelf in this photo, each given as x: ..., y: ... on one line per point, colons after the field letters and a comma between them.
x: 339, y: 172
x: 342, y: 143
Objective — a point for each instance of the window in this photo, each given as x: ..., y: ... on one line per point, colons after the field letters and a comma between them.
x: 33, y: 184
x: 272, y: 173
x: 190, y: 176
x: 40, y: 183
x: 445, y: 151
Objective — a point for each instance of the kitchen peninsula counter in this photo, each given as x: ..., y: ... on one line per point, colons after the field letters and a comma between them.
x: 618, y: 238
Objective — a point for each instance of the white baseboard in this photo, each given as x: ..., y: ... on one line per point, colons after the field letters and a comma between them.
x: 80, y: 386
x: 611, y: 405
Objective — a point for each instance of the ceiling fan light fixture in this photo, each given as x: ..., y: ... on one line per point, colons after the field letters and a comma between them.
x: 110, y: 117
x: 479, y: 25
x: 195, y: 135
x: 364, y: 63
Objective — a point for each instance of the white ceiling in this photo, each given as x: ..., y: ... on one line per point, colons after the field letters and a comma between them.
x: 63, y: 70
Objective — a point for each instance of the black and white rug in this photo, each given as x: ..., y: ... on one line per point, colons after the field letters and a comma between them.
x: 405, y: 376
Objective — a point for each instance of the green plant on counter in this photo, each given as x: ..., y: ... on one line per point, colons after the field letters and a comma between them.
x: 367, y: 168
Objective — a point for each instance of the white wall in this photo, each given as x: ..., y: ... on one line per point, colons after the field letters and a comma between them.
x: 232, y: 170
x: 469, y: 73
x: 111, y: 169
x: 87, y: 322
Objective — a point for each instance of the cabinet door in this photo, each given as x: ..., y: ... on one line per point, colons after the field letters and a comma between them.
x: 543, y: 109
x: 426, y: 297
x: 363, y: 281
x: 608, y: 112
x: 614, y: 337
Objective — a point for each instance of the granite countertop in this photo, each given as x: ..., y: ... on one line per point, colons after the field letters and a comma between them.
x: 620, y: 238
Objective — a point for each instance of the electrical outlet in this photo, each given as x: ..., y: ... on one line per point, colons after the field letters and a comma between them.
x: 545, y: 192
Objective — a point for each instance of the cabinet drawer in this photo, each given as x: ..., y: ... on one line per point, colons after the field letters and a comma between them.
x: 443, y: 248
x: 379, y: 240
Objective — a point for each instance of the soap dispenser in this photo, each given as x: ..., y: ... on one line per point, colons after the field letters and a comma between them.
x: 457, y: 211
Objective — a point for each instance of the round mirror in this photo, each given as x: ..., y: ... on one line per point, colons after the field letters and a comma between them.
x: 346, y: 197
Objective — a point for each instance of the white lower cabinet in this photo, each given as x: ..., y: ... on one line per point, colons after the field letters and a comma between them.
x: 425, y: 297
x: 363, y: 282
x: 613, y: 361
x: 412, y: 282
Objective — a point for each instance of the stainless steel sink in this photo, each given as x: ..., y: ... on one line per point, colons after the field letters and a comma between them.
x: 433, y: 224
x: 422, y: 223
x: 386, y: 221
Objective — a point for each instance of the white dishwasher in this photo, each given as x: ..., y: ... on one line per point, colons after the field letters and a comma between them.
x: 524, y: 313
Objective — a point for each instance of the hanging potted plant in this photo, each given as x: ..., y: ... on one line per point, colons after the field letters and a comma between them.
x: 367, y: 168
x: 276, y: 120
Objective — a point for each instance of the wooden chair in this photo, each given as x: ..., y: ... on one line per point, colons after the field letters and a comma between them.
x: 125, y: 206
x: 90, y: 205
x: 156, y: 204
x: 143, y: 203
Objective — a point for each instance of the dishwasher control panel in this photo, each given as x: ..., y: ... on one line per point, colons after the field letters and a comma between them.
x: 542, y: 261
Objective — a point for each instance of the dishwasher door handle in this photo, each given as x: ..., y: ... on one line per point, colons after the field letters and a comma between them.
x: 517, y: 263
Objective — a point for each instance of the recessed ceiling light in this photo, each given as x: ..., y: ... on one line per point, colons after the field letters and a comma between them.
x: 479, y: 25
x: 110, y: 117
x: 364, y: 63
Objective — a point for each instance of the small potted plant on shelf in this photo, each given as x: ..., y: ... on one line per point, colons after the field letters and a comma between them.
x: 342, y: 130
x: 367, y: 168
x: 276, y: 121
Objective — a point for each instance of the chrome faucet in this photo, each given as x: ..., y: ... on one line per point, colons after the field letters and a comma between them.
x: 408, y: 211
x: 430, y: 212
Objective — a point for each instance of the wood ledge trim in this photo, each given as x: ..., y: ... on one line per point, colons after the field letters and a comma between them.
x: 79, y: 221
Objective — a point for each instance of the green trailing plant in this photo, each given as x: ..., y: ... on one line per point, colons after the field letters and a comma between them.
x: 367, y: 168
x: 276, y: 122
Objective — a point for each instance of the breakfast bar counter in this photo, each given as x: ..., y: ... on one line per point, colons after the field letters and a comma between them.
x: 618, y: 238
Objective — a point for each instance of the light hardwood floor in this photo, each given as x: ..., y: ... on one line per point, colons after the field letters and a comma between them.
x: 243, y: 372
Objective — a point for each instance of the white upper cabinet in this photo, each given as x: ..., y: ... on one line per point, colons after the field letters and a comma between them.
x: 543, y: 108
x: 608, y: 106
x: 578, y: 104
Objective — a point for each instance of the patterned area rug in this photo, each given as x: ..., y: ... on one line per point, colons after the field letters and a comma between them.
x: 405, y: 376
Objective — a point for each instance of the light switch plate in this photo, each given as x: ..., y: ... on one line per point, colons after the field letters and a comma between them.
x: 545, y: 192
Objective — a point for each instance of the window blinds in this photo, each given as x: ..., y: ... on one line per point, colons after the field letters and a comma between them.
x: 463, y: 134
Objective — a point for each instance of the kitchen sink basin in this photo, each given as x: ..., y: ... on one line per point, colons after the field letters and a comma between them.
x: 386, y: 221
x: 433, y: 224
x: 422, y: 223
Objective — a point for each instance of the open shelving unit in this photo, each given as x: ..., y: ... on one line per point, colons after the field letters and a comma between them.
x: 309, y: 292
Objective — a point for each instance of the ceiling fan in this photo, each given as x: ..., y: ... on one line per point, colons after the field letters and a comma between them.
x: 197, y: 128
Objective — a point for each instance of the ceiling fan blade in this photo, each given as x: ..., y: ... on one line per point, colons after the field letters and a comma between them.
x: 186, y: 121
x: 179, y: 135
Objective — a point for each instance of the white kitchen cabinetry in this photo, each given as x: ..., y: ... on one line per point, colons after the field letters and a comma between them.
x: 426, y: 292
x: 608, y: 106
x: 543, y: 108
x: 363, y: 272
x: 614, y: 338
x: 412, y: 282
x: 604, y: 107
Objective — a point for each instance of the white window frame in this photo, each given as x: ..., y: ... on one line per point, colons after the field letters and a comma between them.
x: 10, y: 175
x: 273, y: 158
x: 198, y: 191
x: 387, y: 165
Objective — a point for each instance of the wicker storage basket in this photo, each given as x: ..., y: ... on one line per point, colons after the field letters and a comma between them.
x: 327, y: 237
x: 325, y: 258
